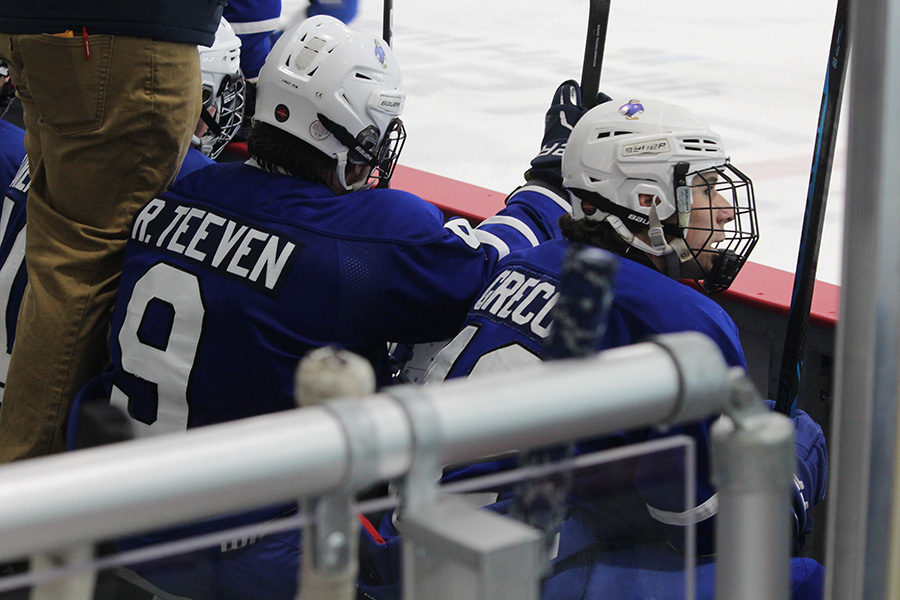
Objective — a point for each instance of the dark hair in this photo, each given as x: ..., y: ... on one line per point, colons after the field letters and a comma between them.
x: 275, y: 149
x: 593, y: 233
x: 602, y: 235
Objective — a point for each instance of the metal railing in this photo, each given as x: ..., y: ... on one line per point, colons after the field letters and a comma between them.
x: 54, y: 509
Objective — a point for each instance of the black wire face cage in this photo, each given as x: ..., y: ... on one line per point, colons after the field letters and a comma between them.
x: 389, y: 153
x: 720, y: 259
x: 228, y: 113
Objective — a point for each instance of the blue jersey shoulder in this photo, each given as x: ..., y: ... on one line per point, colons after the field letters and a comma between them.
x: 646, y: 303
x: 515, y: 310
x: 12, y: 151
x: 377, y: 215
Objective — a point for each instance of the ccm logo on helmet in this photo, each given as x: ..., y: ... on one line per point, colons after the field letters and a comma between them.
x: 651, y: 147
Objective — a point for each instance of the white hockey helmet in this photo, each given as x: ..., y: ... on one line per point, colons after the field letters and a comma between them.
x: 223, y: 91
x: 619, y: 152
x: 340, y: 91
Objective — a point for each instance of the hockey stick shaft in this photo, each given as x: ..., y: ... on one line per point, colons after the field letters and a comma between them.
x: 816, y: 197
x: 579, y: 323
x: 594, y: 46
x: 585, y: 297
x: 387, y: 27
x: 388, y: 20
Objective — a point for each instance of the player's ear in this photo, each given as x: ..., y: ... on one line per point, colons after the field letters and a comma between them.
x: 645, y: 199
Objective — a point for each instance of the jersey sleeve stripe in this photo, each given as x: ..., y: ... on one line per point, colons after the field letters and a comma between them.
x: 489, y: 239
x: 515, y: 224
x: 256, y: 26
x: 682, y: 519
x: 544, y: 191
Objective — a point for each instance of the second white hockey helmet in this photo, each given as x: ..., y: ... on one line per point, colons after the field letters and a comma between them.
x: 337, y: 89
x: 223, y: 91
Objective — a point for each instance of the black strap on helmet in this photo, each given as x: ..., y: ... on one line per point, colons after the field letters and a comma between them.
x: 361, y: 149
x: 211, y: 122
x: 626, y: 214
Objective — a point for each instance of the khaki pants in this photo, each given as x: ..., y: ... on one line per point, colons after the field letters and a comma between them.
x: 104, y: 135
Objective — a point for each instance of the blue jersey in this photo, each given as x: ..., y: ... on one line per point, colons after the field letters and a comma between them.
x: 343, y: 10
x: 12, y: 150
x: 625, y: 516
x: 12, y: 263
x: 253, y: 21
x: 12, y: 248
x: 509, y: 321
x: 12, y: 244
x: 236, y: 273
x: 506, y: 327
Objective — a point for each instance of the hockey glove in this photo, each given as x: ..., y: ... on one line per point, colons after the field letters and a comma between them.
x: 561, y: 117
x: 811, y: 475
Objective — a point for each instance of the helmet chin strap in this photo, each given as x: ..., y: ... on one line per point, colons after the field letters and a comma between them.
x: 675, y: 252
x: 342, y: 175
x: 197, y: 144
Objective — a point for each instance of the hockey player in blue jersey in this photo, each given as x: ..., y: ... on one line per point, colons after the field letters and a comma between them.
x: 240, y: 269
x: 656, y: 188
x: 223, y: 97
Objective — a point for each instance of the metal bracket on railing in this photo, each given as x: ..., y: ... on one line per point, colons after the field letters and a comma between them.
x: 753, y: 463
x: 418, y: 487
x: 334, y: 525
x: 744, y: 401
x: 79, y: 586
x: 451, y: 548
x: 702, y: 376
x: 331, y: 536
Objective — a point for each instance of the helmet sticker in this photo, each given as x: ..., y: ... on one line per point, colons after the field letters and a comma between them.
x: 318, y: 131
x: 380, y: 54
x: 308, y: 53
x: 631, y: 110
x: 282, y: 113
